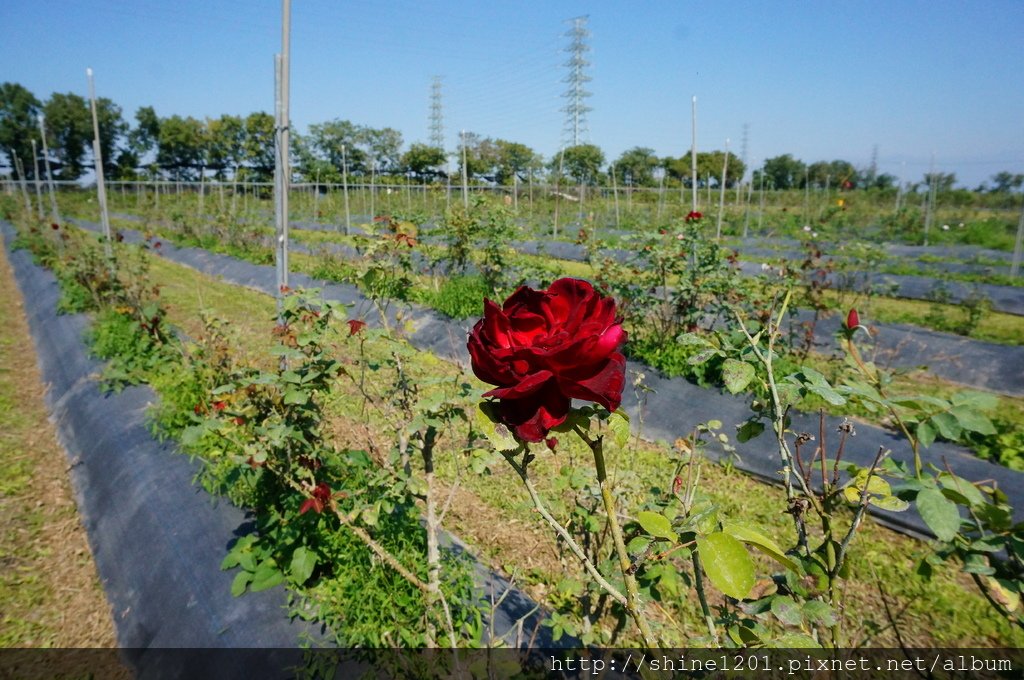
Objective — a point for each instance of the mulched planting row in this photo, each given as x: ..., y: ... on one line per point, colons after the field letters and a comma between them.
x: 673, y: 409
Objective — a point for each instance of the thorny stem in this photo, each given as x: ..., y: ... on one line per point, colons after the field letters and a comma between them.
x: 633, y: 604
x: 778, y: 414
x: 873, y: 376
x: 538, y: 503
x: 698, y: 582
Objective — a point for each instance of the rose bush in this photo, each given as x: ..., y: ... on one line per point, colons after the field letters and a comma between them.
x: 544, y: 348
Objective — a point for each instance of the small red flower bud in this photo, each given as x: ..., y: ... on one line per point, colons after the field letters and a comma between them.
x: 677, y: 484
x: 238, y: 420
x: 852, y: 319
x: 219, y: 406
x: 54, y: 226
x: 551, y: 443
x: 355, y: 326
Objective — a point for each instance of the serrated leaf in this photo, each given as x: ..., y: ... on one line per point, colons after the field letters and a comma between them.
x: 239, y: 583
x: 727, y: 564
x: 750, y: 535
x: 618, y: 423
x: 793, y: 641
x: 828, y: 394
x: 890, y: 503
x: 736, y: 375
x: 939, y: 513
x: 972, y: 420
x: 947, y: 425
x: 820, y: 613
x: 303, y: 563
x: 925, y: 433
x: 982, y: 401
x: 702, y: 356
x: 296, y: 396
x: 656, y: 524
x: 692, y: 340
x: 787, y: 610
x: 486, y: 421
x: 963, y: 487
x: 748, y: 430
x: 266, y: 577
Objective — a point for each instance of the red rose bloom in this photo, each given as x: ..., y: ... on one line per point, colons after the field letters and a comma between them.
x: 545, y: 348
x: 694, y: 215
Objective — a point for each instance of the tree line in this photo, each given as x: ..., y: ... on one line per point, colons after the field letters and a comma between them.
x: 242, y: 148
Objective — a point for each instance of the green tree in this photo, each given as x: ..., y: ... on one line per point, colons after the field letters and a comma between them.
x: 713, y: 162
x: 308, y: 163
x: 225, y: 138
x: 259, y: 150
x: 113, y: 129
x: 424, y: 160
x: 69, y: 132
x: 709, y: 168
x: 384, y: 148
x: 581, y: 162
x: 513, y: 159
x: 784, y: 172
x: 635, y: 167
x: 339, y: 142
x: 1004, y: 182
x: 834, y: 174
x: 19, y: 110
x: 144, y: 137
x: 481, y: 156
x: 884, y: 181
x: 944, y: 181
x: 181, y: 146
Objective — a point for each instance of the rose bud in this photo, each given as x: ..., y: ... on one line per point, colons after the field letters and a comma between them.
x: 544, y: 348
x: 852, y: 319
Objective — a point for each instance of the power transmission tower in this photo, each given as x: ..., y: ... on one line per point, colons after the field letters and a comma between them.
x: 436, y: 114
x: 873, y: 168
x: 576, y: 110
x: 743, y: 145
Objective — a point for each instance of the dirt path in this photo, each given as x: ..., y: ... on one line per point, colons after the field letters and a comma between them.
x: 50, y: 594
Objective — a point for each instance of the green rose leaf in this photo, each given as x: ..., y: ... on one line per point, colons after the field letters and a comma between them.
x: 486, y: 421
x: 656, y: 524
x: 303, y: 563
x: 939, y: 513
x: 751, y: 536
x: 736, y: 375
x: 618, y: 423
x: 787, y: 610
x: 241, y: 581
x: 727, y: 564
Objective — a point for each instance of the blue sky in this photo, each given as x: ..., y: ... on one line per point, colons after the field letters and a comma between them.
x: 820, y: 80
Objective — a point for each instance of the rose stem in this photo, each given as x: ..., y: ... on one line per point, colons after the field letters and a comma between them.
x: 561, y: 531
x: 632, y: 595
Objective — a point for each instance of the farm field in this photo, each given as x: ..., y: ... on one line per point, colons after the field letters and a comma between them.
x: 485, y: 504
x: 511, y: 340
